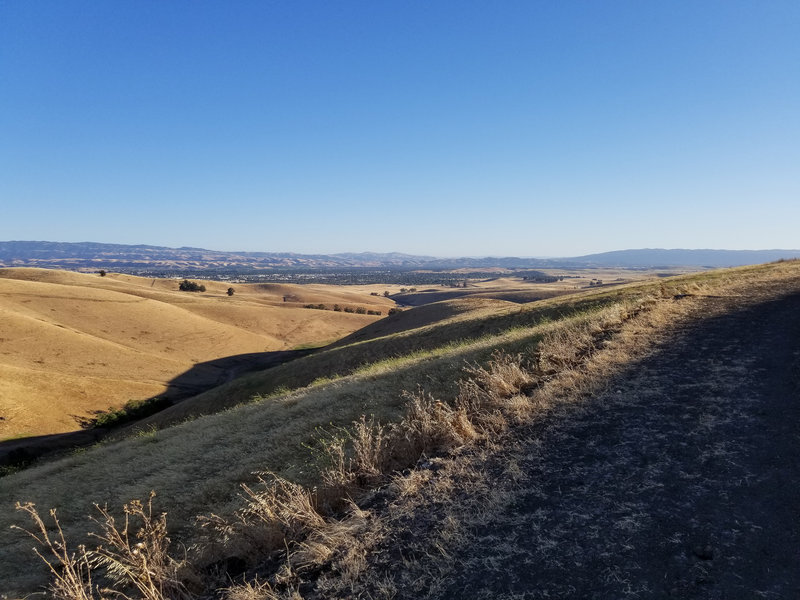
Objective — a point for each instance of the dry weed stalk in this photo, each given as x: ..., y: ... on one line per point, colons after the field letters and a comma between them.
x: 276, y: 517
x: 142, y: 560
x: 72, y: 573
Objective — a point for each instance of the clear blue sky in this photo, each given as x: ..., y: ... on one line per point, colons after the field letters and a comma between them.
x: 532, y: 128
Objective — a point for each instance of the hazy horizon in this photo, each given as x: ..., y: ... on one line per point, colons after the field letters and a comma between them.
x: 790, y: 251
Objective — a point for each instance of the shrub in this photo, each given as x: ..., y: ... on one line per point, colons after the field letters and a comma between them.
x: 361, y: 310
x: 191, y: 286
x: 133, y: 410
x: 231, y: 291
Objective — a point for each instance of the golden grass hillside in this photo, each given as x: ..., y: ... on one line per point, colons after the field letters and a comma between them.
x: 197, y: 467
x: 489, y: 306
x: 73, y: 343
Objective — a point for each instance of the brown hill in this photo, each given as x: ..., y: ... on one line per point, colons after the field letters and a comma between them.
x: 75, y: 343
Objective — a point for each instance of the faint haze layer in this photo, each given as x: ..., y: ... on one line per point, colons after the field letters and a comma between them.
x: 90, y: 255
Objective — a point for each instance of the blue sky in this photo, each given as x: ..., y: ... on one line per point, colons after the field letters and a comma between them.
x: 447, y: 128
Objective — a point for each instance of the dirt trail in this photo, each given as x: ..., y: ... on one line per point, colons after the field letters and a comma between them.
x: 682, y: 480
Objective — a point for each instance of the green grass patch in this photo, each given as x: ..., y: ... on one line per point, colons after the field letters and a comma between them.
x: 132, y: 411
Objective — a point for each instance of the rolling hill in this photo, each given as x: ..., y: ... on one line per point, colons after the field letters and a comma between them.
x: 535, y: 363
x: 74, y: 343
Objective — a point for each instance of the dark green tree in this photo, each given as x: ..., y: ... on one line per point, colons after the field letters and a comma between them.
x: 191, y: 286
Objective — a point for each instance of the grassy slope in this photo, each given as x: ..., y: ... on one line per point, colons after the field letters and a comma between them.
x: 196, y: 467
x: 72, y: 343
x: 423, y: 332
x: 607, y: 493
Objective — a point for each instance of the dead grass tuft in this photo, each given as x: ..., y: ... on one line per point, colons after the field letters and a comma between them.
x: 339, y: 538
x: 279, y: 511
x: 256, y: 590
x: 251, y: 590
x: 431, y: 426
x: 505, y: 375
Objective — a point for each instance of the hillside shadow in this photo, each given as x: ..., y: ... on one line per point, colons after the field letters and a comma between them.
x: 21, y: 452
x: 664, y: 466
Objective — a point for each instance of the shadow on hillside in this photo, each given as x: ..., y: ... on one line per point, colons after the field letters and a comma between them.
x: 200, y: 378
x: 653, y: 477
x: 516, y: 295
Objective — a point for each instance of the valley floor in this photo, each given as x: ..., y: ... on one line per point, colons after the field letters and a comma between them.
x: 677, y: 481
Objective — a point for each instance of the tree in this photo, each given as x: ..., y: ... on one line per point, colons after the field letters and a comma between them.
x: 191, y: 286
x: 386, y: 293
x: 231, y: 291
x: 102, y: 272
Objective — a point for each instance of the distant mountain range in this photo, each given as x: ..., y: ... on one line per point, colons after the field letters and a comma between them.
x: 656, y: 257
x: 93, y: 256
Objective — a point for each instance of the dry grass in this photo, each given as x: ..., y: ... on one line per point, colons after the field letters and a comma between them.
x: 76, y: 343
x: 487, y: 402
x: 460, y: 496
x: 543, y: 365
x: 71, y: 571
x: 127, y: 561
x: 410, y: 337
x: 141, y: 560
